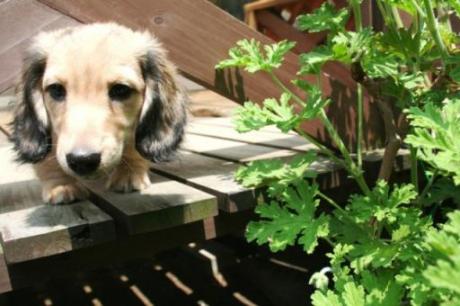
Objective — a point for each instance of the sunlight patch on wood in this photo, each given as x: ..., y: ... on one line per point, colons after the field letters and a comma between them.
x: 214, y: 267
x: 243, y: 300
x: 192, y: 245
x: 178, y: 283
x: 140, y: 295
x: 96, y: 302
x: 48, y: 302
x: 157, y: 267
x: 87, y: 289
x: 288, y: 265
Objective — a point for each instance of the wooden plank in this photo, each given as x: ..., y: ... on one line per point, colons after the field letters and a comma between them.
x: 232, y: 150
x: 5, y: 280
x: 23, y: 19
x: 29, y: 229
x: 270, y: 139
x: 171, y: 21
x: 164, y: 204
x: 211, y: 175
x: 227, y: 122
x: 216, y: 176
x: 47, y: 230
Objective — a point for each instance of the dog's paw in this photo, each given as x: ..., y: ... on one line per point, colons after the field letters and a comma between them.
x: 66, y: 193
x: 122, y: 181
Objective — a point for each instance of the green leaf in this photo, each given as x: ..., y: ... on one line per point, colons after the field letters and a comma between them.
x: 445, y: 271
x: 382, y: 204
x: 276, y: 174
x: 282, y: 225
x: 251, y: 116
x: 353, y: 295
x: 348, y: 47
x: 435, y: 135
x: 330, y: 299
x: 455, y: 74
x: 322, y: 19
x: 313, y: 61
x: 249, y: 55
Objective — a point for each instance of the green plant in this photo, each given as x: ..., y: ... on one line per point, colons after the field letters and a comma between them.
x: 385, y: 246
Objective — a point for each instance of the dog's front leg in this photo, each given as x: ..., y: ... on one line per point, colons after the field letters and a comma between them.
x: 57, y: 186
x: 131, y: 174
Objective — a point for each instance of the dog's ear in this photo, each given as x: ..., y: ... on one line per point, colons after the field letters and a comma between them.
x: 31, y: 133
x: 163, y: 114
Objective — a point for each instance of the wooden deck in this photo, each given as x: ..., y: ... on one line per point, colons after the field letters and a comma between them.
x: 193, y: 198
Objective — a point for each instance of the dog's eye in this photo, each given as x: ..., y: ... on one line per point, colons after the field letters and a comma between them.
x: 56, y: 91
x: 120, y: 92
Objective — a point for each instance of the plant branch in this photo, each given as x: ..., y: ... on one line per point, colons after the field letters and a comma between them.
x: 359, y: 92
x: 434, y: 29
x: 331, y: 202
x: 349, y: 164
x: 414, y: 167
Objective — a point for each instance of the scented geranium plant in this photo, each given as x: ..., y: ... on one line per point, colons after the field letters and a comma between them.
x: 392, y: 244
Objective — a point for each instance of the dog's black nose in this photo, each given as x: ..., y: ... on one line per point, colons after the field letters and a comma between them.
x: 83, y: 163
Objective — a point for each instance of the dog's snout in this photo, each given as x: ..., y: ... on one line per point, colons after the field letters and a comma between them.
x: 82, y: 162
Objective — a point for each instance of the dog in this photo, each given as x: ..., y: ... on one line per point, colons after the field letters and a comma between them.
x: 96, y: 101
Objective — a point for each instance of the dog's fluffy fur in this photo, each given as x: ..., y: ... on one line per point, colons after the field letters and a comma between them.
x: 86, y: 61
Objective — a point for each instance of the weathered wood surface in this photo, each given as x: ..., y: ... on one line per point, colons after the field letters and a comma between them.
x: 20, y: 20
x: 212, y: 175
x: 164, y: 204
x: 29, y: 229
x: 196, y: 51
x: 232, y: 150
x: 267, y: 137
x: 5, y: 280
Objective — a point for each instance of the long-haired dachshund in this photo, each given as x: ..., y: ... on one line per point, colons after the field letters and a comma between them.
x: 96, y: 101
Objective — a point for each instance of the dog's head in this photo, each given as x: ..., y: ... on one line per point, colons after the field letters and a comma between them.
x: 89, y: 92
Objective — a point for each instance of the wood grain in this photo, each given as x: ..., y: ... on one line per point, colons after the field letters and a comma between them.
x: 164, y: 204
x: 47, y: 230
x: 30, y: 229
x: 210, y: 175
x: 232, y: 150
x: 261, y: 137
x: 23, y: 19
x: 5, y: 280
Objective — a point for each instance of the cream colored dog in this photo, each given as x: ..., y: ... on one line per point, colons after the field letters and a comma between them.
x: 96, y: 100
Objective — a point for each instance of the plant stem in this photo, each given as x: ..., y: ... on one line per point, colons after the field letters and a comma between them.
x: 396, y: 17
x: 285, y: 89
x: 331, y: 202
x: 359, y: 92
x: 434, y: 29
x: 322, y: 149
x: 427, y: 186
x: 414, y: 167
x: 350, y: 166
